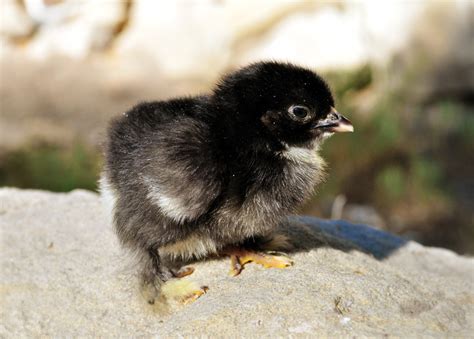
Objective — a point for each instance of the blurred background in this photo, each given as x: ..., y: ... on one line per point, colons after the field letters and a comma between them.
x: 403, y: 71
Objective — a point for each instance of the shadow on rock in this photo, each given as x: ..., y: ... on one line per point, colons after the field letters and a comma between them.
x: 307, y: 233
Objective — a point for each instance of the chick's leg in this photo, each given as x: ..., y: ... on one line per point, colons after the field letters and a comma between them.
x: 158, y: 283
x: 153, y: 276
x: 265, y: 254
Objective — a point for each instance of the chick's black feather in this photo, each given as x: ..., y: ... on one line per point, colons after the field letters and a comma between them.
x: 187, y: 177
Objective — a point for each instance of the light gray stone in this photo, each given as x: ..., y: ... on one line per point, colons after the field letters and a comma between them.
x: 63, y: 274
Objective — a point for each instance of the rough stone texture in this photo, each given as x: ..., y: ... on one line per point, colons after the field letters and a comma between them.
x: 63, y: 274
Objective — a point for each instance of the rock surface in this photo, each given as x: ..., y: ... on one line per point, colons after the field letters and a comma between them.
x: 63, y: 274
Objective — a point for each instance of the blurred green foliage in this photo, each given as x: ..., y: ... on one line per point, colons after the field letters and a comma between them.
x: 410, y: 157
x: 391, y: 183
x: 343, y: 84
x: 51, y: 167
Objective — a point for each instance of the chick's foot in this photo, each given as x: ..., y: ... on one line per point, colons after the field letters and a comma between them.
x: 240, y: 257
x: 183, y: 291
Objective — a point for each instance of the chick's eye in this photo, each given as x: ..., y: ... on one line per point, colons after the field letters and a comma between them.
x: 299, y: 112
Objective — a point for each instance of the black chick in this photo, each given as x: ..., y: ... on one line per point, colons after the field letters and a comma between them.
x: 191, y: 177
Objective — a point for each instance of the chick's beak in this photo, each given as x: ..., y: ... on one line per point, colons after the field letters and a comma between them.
x: 335, y: 122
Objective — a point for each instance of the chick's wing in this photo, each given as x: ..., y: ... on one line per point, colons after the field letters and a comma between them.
x: 181, y: 173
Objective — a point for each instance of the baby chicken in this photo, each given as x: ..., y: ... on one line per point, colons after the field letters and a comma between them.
x: 191, y: 177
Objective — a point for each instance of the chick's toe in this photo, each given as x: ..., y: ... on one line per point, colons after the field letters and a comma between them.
x: 240, y: 257
x: 183, y: 291
x: 194, y: 295
x: 183, y: 272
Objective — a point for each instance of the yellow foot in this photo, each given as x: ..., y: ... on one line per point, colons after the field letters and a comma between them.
x: 183, y: 291
x: 240, y: 257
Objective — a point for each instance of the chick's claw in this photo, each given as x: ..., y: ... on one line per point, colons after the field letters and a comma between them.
x: 194, y: 295
x: 183, y: 272
x: 239, y: 258
x: 235, y: 266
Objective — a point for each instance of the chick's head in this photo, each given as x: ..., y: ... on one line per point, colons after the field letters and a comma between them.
x: 281, y: 101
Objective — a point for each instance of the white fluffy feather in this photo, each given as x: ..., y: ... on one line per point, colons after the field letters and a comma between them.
x: 108, y: 196
x: 173, y: 207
